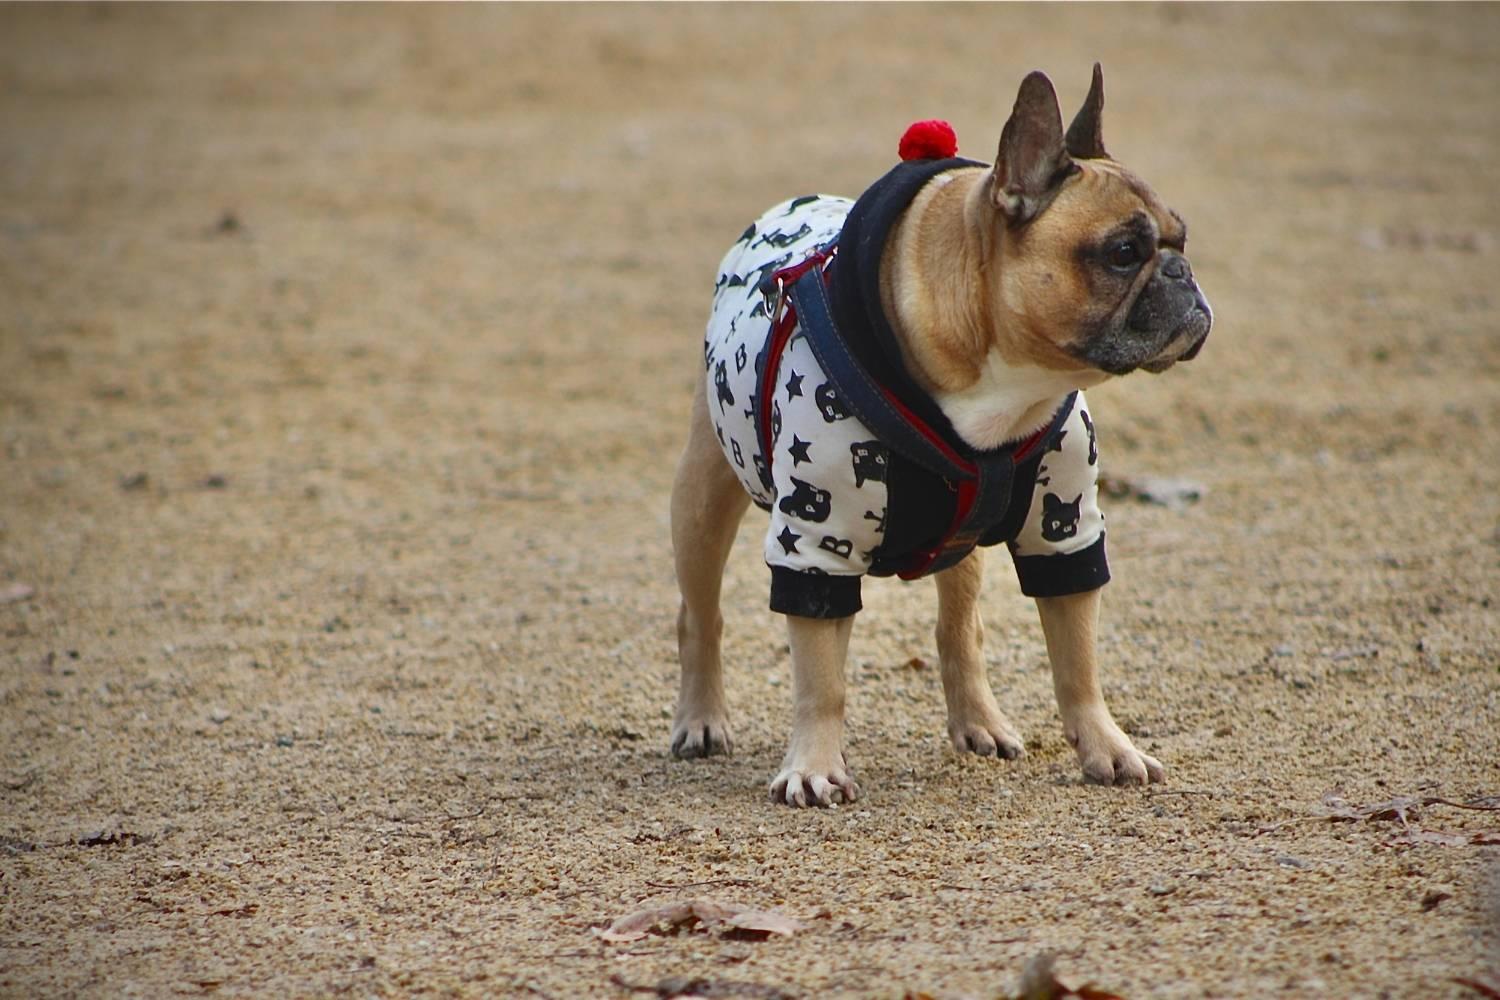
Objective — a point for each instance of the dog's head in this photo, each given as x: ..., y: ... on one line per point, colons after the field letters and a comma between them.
x: 1093, y: 267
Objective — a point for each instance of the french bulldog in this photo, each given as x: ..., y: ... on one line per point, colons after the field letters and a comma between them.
x: 1007, y: 289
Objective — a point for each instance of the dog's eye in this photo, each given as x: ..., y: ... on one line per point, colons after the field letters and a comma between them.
x: 1126, y: 255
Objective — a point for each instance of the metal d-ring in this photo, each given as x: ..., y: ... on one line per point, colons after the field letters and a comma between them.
x: 775, y: 299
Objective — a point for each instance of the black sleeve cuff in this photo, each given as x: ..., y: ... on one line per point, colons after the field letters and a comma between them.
x: 1060, y: 575
x: 813, y: 595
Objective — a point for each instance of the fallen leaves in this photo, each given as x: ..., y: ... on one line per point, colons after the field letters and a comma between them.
x: 114, y: 838
x: 1442, y: 838
x: 1174, y: 494
x: 725, y: 919
x: 1039, y: 982
x: 1483, y: 989
x: 690, y: 987
x: 1406, y: 810
x: 1433, y: 899
x: 11, y: 593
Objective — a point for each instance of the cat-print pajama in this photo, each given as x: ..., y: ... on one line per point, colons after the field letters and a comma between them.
x: 833, y: 488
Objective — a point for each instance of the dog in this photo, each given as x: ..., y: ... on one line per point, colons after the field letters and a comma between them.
x: 897, y: 380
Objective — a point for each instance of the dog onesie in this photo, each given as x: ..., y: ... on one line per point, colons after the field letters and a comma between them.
x: 843, y: 503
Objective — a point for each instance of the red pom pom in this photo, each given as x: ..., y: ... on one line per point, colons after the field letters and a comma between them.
x: 930, y: 140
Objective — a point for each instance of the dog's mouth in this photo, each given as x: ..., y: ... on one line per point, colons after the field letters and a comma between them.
x: 1132, y: 348
x: 1186, y: 341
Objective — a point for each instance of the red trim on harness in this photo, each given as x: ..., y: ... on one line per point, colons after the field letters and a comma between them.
x: 1022, y: 452
x: 967, y: 490
x: 969, y: 468
x: 1025, y: 448
x: 780, y: 334
x: 788, y: 276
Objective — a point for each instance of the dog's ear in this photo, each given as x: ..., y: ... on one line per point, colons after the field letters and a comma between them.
x: 1033, y: 159
x: 1086, y: 135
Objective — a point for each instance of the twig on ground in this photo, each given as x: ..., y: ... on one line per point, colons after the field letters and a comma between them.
x: 694, y: 885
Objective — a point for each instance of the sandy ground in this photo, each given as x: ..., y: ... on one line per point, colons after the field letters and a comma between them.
x: 345, y: 355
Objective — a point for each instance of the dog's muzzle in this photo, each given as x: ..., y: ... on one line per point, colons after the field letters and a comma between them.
x: 1207, y: 320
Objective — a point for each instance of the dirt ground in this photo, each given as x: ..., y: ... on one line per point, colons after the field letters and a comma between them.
x: 345, y: 355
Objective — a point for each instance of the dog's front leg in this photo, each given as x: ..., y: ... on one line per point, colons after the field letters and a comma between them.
x: 1107, y: 755
x: 975, y: 722
x: 815, y: 770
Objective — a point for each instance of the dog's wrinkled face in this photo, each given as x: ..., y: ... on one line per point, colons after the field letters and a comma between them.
x: 1134, y: 302
x: 1096, y: 273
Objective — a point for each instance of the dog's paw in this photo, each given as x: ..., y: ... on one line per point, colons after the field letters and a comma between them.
x: 991, y: 736
x: 1109, y: 758
x: 701, y: 737
x: 814, y: 786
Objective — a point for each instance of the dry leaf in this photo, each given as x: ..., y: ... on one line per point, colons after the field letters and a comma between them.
x: 694, y: 987
x: 766, y: 922
x: 712, y: 916
x: 1402, y: 808
x: 1442, y: 838
x: 115, y: 838
x: 13, y: 592
x: 635, y: 926
x: 1406, y: 810
x: 1039, y: 982
x: 1172, y: 493
x: 1483, y: 989
x: 1433, y: 899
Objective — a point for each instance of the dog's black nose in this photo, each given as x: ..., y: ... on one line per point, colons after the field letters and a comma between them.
x: 1176, y: 267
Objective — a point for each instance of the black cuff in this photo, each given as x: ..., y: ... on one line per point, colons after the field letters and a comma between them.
x: 813, y: 595
x: 1063, y: 574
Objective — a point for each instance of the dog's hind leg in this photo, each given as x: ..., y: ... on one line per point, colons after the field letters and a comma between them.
x: 975, y: 722
x: 708, y: 503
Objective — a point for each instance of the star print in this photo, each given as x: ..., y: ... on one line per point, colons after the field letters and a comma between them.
x: 794, y: 385
x: 788, y: 540
x: 798, y: 451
